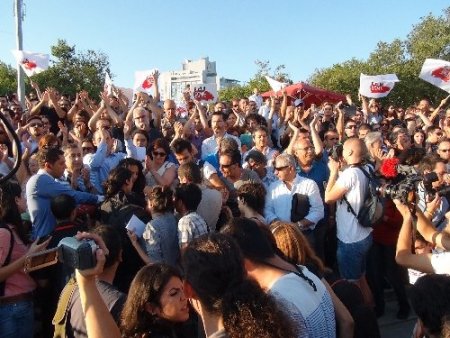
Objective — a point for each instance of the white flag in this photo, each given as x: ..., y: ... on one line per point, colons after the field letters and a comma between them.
x: 275, y: 85
x: 144, y: 80
x: 31, y: 63
x: 377, y: 86
x: 436, y: 72
x: 108, y: 86
x: 206, y: 92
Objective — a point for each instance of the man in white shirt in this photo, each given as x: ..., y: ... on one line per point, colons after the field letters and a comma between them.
x: 354, y: 241
x: 211, y: 144
x: 280, y: 194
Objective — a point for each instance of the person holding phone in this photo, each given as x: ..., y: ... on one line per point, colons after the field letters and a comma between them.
x: 16, y: 287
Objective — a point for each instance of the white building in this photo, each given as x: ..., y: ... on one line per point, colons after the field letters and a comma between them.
x: 173, y: 83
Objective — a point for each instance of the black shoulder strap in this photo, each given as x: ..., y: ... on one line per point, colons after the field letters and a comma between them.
x: 8, y: 257
x: 344, y: 198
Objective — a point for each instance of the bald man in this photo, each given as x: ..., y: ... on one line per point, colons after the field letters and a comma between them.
x: 354, y: 241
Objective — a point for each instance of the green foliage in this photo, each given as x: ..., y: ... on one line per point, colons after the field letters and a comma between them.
x: 430, y: 38
x: 73, y: 71
x: 257, y: 81
x: 8, y: 79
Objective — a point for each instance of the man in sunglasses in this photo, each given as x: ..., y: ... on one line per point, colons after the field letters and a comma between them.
x: 280, y: 195
x: 434, y: 136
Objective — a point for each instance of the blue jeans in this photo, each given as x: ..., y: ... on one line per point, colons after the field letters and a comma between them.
x: 17, y: 319
x: 351, y: 258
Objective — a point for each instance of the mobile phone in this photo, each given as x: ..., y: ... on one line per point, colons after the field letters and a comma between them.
x: 41, y: 260
x: 43, y: 239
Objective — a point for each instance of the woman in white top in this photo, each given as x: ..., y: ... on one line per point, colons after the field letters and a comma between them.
x: 159, y: 170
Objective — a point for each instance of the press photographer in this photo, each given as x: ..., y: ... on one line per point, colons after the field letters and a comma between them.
x: 354, y: 240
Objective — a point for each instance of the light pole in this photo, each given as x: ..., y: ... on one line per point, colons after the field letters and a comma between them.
x: 20, y: 73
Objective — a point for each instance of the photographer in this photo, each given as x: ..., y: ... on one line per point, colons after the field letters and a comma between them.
x: 434, y: 206
x: 354, y: 241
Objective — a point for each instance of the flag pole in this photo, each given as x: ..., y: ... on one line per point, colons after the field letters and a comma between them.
x: 20, y: 73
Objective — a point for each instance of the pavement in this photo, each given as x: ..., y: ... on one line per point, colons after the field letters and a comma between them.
x: 390, y: 326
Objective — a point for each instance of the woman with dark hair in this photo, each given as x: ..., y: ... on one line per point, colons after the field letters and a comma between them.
x: 138, y: 179
x: 16, y: 287
x: 251, y: 201
x: 303, y: 296
x: 229, y: 303
x: 116, y: 211
x: 159, y: 170
x: 418, y: 138
x: 297, y: 250
x: 155, y: 303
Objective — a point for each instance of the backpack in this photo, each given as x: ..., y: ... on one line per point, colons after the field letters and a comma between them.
x: 372, y: 208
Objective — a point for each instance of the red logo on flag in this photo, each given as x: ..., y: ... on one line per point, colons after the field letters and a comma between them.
x: 203, y: 95
x: 442, y: 73
x: 379, y: 88
x: 148, y: 82
x: 29, y: 64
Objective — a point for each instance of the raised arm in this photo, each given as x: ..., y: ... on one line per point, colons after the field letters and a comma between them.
x: 317, y: 142
x: 284, y: 105
x: 156, y: 86
x: 404, y: 256
x: 438, y: 108
x: 52, y: 99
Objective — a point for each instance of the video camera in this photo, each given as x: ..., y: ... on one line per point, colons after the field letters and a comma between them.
x: 70, y: 251
x: 406, y: 184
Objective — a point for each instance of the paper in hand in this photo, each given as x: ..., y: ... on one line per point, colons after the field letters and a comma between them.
x: 136, y: 225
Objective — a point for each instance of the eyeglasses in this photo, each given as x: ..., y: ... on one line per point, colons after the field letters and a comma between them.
x: 280, y: 168
x: 307, y: 149
x: 353, y: 126
x: 160, y: 154
x: 36, y: 125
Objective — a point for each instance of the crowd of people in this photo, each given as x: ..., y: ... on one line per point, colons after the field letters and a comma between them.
x: 250, y: 211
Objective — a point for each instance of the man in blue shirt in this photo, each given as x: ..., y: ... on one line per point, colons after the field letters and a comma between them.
x: 103, y: 160
x: 309, y: 166
x: 43, y: 186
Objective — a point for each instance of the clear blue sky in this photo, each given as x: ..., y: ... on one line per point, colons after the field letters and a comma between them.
x: 144, y: 34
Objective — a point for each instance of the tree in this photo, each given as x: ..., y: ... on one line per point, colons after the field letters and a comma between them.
x: 257, y: 81
x: 430, y: 38
x: 73, y: 71
x: 8, y: 79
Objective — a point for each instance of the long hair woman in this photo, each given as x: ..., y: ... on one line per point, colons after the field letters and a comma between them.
x: 16, y: 287
x: 155, y: 303
x: 229, y: 303
x: 297, y: 250
x: 116, y: 211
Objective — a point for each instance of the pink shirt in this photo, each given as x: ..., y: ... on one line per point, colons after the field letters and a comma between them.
x: 19, y: 282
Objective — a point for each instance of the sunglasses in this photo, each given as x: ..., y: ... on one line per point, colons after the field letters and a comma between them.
x: 333, y: 138
x: 280, y: 168
x: 87, y: 148
x: 351, y: 127
x: 36, y: 125
x: 226, y: 166
x: 444, y: 150
x: 410, y: 119
x: 157, y: 153
x: 385, y: 124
